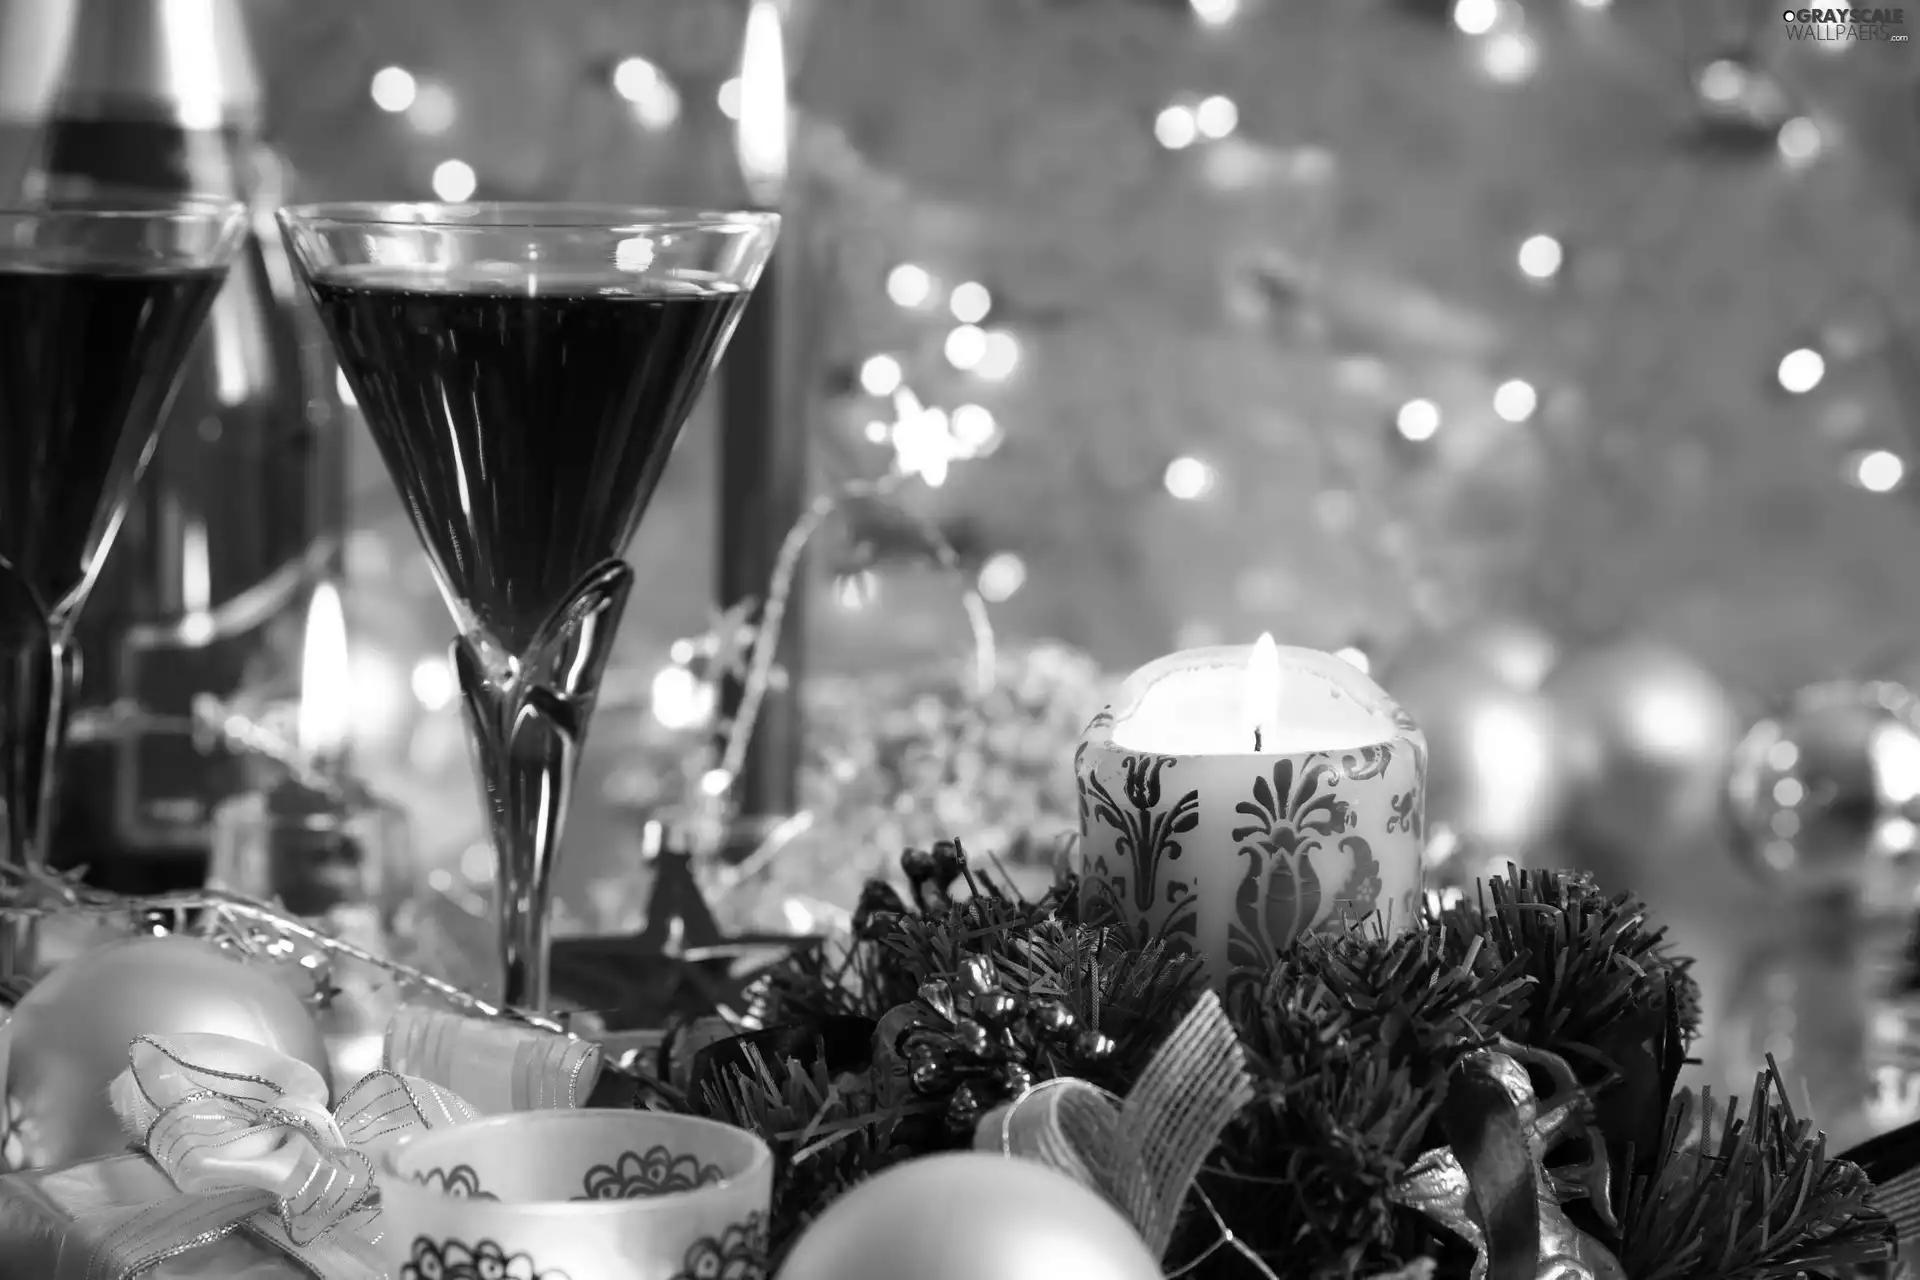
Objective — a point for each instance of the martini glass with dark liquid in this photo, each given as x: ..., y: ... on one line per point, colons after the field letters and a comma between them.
x: 525, y: 370
x: 98, y: 308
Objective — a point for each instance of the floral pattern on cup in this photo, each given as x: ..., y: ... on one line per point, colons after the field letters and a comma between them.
x: 462, y: 1182
x: 456, y: 1260
x: 654, y: 1172
x: 738, y: 1253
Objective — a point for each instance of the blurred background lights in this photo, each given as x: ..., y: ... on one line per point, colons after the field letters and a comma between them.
x: 1476, y: 17
x: 1510, y: 57
x: 1001, y: 576
x: 681, y: 699
x: 1515, y: 400
x: 634, y: 78
x: 1188, y: 479
x: 1175, y: 128
x: 1216, y: 117
x: 1356, y: 658
x: 656, y: 103
x: 965, y: 347
x: 394, y: 88
x: 1799, y: 141
x: 877, y: 431
x: 454, y: 181
x: 1595, y: 5
x: 1215, y: 13
x: 1879, y: 471
x: 1723, y: 81
x: 999, y: 357
x: 1801, y: 370
x: 1541, y: 257
x: 433, y: 683
x: 909, y: 285
x: 728, y: 98
x: 1417, y: 419
x: 433, y: 110
x: 855, y: 591
x: 880, y: 375
x: 974, y: 429
x: 970, y: 302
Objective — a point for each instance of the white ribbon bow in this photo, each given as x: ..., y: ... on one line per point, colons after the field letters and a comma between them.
x: 244, y: 1133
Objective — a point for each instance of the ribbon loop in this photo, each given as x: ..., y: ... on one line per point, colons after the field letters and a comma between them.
x: 246, y: 1135
x: 1143, y: 1153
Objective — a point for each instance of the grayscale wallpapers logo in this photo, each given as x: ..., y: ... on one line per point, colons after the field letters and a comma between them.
x: 1888, y: 25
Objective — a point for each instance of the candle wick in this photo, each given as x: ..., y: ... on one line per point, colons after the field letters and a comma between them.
x: 1256, y: 739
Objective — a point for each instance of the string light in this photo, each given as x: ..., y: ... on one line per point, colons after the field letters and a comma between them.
x: 855, y: 591
x: 433, y: 111
x: 433, y: 684
x: 681, y: 700
x: 970, y: 302
x: 1215, y: 13
x: 881, y: 375
x: 1799, y: 141
x: 1879, y: 471
x: 1188, y: 479
x: 1356, y: 658
x: 1418, y: 420
x: 966, y: 346
x: 1541, y: 257
x: 454, y: 181
x: 394, y: 89
x: 656, y: 103
x: 1515, y: 400
x: 1216, y: 117
x: 1001, y: 576
x: 728, y: 99
x: 1801, y: 370
x: 1510, y: 57
x: 909, y: 285
x: 1476, y: 17
x: 974, y: 429
x: 1000, y: 356
x: 1175, y: 128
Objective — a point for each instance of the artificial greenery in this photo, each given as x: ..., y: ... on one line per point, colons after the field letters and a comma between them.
x: 1350, y: 1037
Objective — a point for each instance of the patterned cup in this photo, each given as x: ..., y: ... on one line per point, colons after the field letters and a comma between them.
x: 578, y: 1195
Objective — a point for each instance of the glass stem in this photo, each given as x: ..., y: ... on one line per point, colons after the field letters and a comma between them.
x: 38, y: 675
x: 528, y: 723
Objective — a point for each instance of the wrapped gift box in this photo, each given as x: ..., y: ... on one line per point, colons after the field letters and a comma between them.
x: 52, y: 1222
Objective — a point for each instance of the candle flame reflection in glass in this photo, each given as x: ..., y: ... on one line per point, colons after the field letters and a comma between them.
x: 326, y: 677
x: 761, y: 138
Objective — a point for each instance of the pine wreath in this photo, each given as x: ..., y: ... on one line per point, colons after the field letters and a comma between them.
x: 959, y: 993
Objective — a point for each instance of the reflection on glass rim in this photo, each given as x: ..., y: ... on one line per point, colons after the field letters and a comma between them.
x: 616, y: 219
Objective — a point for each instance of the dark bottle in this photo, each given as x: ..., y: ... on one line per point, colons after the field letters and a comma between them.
x: 244, y: 500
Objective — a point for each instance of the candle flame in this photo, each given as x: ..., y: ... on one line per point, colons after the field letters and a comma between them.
x: 1261, y: 691
x: 326, y: 680
x: 761, y: 135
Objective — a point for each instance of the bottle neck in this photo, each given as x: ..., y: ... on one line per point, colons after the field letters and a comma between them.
x: 129, y: 96
x: 95, y: 158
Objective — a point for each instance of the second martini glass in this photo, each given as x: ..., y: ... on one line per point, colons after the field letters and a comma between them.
x: 525, y: 370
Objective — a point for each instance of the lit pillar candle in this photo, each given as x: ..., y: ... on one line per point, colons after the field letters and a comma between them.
x: 1234, y: 798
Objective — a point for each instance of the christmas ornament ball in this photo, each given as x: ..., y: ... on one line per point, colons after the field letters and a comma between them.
x: 1825, y: 795
x: 1655, y: 730
x: 68, y: 1037
x: 1520, y: 653
x: 1497, y: 764
x: 970, y: 1216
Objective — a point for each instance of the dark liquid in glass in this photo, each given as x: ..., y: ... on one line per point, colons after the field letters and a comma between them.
x: 525, y: 422
x: 87, y: 358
